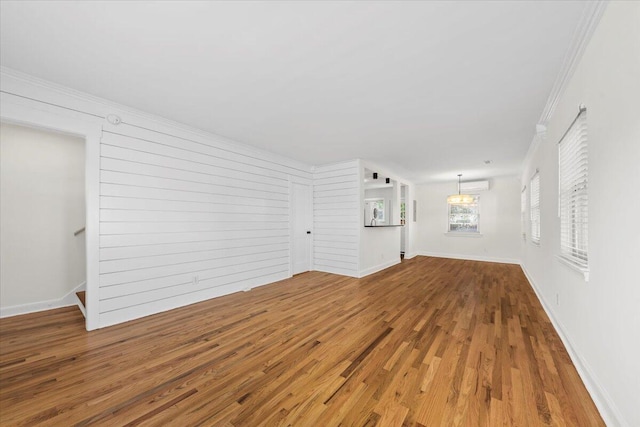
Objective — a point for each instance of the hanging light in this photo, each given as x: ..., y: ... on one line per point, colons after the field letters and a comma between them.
x: 460, y: 198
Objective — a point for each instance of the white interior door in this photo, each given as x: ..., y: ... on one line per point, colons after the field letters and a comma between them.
x: 301, y: 218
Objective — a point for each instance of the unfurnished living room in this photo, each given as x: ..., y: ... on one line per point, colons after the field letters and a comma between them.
x: 319, y: 213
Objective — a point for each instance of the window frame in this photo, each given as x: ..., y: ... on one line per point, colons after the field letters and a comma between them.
x: 573, y: 194
x: 523, y: 212
x: 534, y: 208
x: 477, y: 213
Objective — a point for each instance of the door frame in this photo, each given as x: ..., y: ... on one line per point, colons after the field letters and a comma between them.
x: 38, y: 115
x: 292, y: 182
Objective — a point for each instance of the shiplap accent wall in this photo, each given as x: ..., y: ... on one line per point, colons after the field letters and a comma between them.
x: 182, y: 221
x: 336, y: 216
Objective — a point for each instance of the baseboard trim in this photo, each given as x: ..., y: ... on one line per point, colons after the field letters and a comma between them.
x: 470, y: 257
x: 602, y: 400
x: 338, y: 271
x: 66, y: 301
x: 410, y: 255
x: 378, y: 267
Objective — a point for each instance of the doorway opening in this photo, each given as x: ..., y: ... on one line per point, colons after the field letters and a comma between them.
x: 42, y: 220
x: 404, y: 191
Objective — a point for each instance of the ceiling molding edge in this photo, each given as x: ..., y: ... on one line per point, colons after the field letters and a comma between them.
x: 538, y: 138
x: 581, y: 37
x: 224, y: 141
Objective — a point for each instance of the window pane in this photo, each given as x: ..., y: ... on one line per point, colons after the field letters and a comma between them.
x: 464, y: 217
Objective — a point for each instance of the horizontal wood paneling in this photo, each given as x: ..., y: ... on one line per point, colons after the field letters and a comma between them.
x: 214, y: 150
x: 127, y: 264
x: 107, y: 241
x: 136, y: 311
x: 336, y: 206
x: 138, y: 298
x: 148, y: 273
x: 211, y: 278
x: 222, y: 196
x: 182, y: 220
x: 141, y: 251
x: 192, y: 164
x: 141, y: 215
x: 113, y: 202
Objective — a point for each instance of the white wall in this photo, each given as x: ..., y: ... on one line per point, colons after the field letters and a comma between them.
x: 499, y: 223
x: 41, y: 205
x: 336, y: 209
x: 182, y: 221
x: 184, y: 215
x: 599, y: 319
x: 380, y: 249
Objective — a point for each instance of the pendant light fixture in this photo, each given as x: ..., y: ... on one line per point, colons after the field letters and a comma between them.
x: 460, y: 198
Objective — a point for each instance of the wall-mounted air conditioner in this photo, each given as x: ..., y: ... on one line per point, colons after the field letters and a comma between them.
x: 474, y: 186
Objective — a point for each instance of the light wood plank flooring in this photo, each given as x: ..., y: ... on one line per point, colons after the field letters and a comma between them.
x: 429, y: 342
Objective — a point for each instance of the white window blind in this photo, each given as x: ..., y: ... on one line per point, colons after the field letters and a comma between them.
x: 534, y: 207
x: 523, y: 212
x: 573, y: 182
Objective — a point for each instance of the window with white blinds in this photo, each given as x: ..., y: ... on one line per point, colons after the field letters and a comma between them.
x: 573, y: 183
x: 523, y: 212
x: 534, y: 207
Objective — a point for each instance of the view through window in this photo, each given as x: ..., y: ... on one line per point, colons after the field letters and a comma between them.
x: 464, y: 217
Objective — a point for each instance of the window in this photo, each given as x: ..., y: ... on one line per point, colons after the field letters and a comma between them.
x: 534, y: 207
x: 573, y: 182
x: 374, y: 211
x: 464, y: 217
x: 523, y: 212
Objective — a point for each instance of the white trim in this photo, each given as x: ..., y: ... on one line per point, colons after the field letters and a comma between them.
x: 68, y: 300
x: 470, y: 257
x: 291, y: 231
x: 460, y: 234
x: 335, y: 270
x: 573, y: 266
x: 409, y: 255
x: 378, y: 267
x: 589, y: 20
x: 81, y: 306
x: 608, y: 410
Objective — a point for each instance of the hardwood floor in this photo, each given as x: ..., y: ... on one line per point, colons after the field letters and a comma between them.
x: 429, y: 342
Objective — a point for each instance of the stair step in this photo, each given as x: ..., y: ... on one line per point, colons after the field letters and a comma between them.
x: 82, y: 302
x: 82, y: 297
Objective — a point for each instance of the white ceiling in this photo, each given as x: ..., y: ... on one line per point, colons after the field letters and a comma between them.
x: 428, y: 89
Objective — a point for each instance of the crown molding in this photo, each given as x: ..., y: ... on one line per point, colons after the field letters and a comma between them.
x: 102, y: 108
x: 582, y: 35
